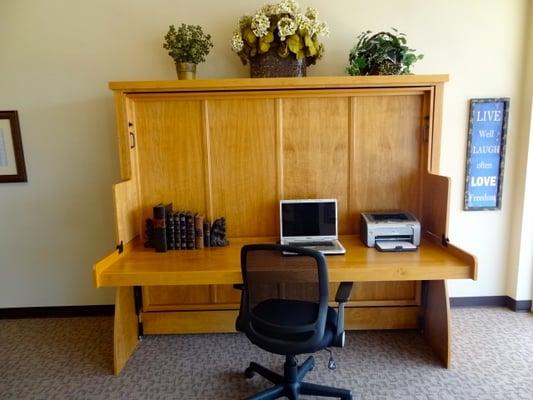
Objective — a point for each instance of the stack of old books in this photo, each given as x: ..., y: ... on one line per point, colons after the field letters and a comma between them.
x: 176, y: 230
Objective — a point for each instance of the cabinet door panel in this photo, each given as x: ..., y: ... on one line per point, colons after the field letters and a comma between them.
x: 171, y: 154
x: 315, y: 151
x: 386, y: 162
x: 243, y: 152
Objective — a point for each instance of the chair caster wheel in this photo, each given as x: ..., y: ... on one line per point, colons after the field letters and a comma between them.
x: 349, y: 397
x: 249, y: 373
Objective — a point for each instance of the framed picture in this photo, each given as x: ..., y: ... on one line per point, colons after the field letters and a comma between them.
x: 485, y: 153
x: 12, y: 167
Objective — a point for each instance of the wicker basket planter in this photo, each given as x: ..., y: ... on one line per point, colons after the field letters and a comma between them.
x: 271, y: 65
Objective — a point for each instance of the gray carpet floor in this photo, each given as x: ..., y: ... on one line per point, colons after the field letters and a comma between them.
x: 71, y: 358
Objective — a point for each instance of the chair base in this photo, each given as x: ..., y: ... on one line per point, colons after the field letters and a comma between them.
x: 290, y: 383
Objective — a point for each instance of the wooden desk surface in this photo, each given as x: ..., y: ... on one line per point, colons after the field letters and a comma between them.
x: 221, y: 265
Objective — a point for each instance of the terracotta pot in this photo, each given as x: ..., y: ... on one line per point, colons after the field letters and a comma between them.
x: 270, y: 65
x: 186, y: 70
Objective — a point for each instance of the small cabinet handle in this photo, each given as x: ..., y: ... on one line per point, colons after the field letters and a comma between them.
x: 132, y: 141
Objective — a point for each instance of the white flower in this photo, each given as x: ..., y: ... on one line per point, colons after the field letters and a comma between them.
x: 322, y: 28
x: 313, y: 27
x: 286, y: 27
x: 288, y: 7
x: 311, y: 13
x: 236, y: 42
x: 260, y: 24
x: 269, y: 9
x: 306, y: 25
x: 274, y: 23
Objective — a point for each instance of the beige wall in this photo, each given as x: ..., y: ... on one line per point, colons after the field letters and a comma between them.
x: 58, y: 55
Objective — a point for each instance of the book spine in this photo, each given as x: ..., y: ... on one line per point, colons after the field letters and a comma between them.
x: 189, y: 230
x: 149, y: 231
x: 207, y: 234
x: 169, y: 220
x: 160, y: 232
x: 177, y: 231
x: 183, y: 231
x: 199, y: 231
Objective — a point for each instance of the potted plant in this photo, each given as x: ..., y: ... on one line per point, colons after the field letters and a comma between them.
x: 384, y: 53
x: 188, y: 46
x: 279, y: 39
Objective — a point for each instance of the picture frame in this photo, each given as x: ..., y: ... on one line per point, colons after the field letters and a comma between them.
x: 12, y: 165
x: 485, y: 154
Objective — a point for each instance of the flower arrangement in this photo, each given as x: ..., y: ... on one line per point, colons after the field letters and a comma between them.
x: 187, y: 44
x: 283, y: 27
x: 384, y: 53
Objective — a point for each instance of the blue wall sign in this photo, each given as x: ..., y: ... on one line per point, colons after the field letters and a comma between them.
x: 485, y: 153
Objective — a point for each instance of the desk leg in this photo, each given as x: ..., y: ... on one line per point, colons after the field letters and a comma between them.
x: 125, y: 334
x: 436, y: 320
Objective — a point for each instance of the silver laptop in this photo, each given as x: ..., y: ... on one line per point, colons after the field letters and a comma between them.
x: 311, y: 224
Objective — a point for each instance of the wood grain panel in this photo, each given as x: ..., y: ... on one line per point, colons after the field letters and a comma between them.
x: 161, y: 297
x: 243, y: 165
x: 357, y: 318
x: 170, y: 149
x: 221, y: 265
x: 126, y: 205
x: 189, y: 322
x: 436, y: 317
x: 278, y: 94
x: 318, y: 82
x: 434, y: 218
x: 462, y: 255
x: 110, y: 259
x: 125, y: 335
x: 406, y: 290
x: 386, y: 153
x: 380, y: 293
x: 227, y: 294
x: 171, y: 155
x: 315, y: 151
x: 436, y: 134
x: 122, y: 114
x: 216, y: 321
x: 158, y: 298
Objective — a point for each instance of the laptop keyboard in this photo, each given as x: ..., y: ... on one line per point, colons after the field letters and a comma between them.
x: 308, y: 244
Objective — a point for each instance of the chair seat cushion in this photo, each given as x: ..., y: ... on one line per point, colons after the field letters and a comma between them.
x: 286, y: 313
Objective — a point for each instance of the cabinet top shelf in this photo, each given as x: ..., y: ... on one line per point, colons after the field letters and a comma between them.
x: 319, y: 82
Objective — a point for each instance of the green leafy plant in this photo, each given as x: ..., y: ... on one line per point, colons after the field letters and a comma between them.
x: 187, y: 44
x: 384, y: 53
x: 283, y: 27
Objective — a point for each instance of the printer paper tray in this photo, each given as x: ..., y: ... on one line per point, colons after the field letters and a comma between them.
x: 395, y: 245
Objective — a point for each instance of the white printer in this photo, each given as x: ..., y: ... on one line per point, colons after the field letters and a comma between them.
x: 390, y: 230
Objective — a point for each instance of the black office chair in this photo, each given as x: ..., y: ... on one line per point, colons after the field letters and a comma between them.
x: 284, y: 310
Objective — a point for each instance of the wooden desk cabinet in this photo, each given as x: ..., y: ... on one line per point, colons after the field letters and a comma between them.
x: 235, y: 147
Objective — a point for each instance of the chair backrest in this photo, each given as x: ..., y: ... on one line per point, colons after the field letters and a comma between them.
x: 276, y: 285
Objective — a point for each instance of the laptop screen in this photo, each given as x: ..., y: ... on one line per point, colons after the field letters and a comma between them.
x: 308, y: 218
